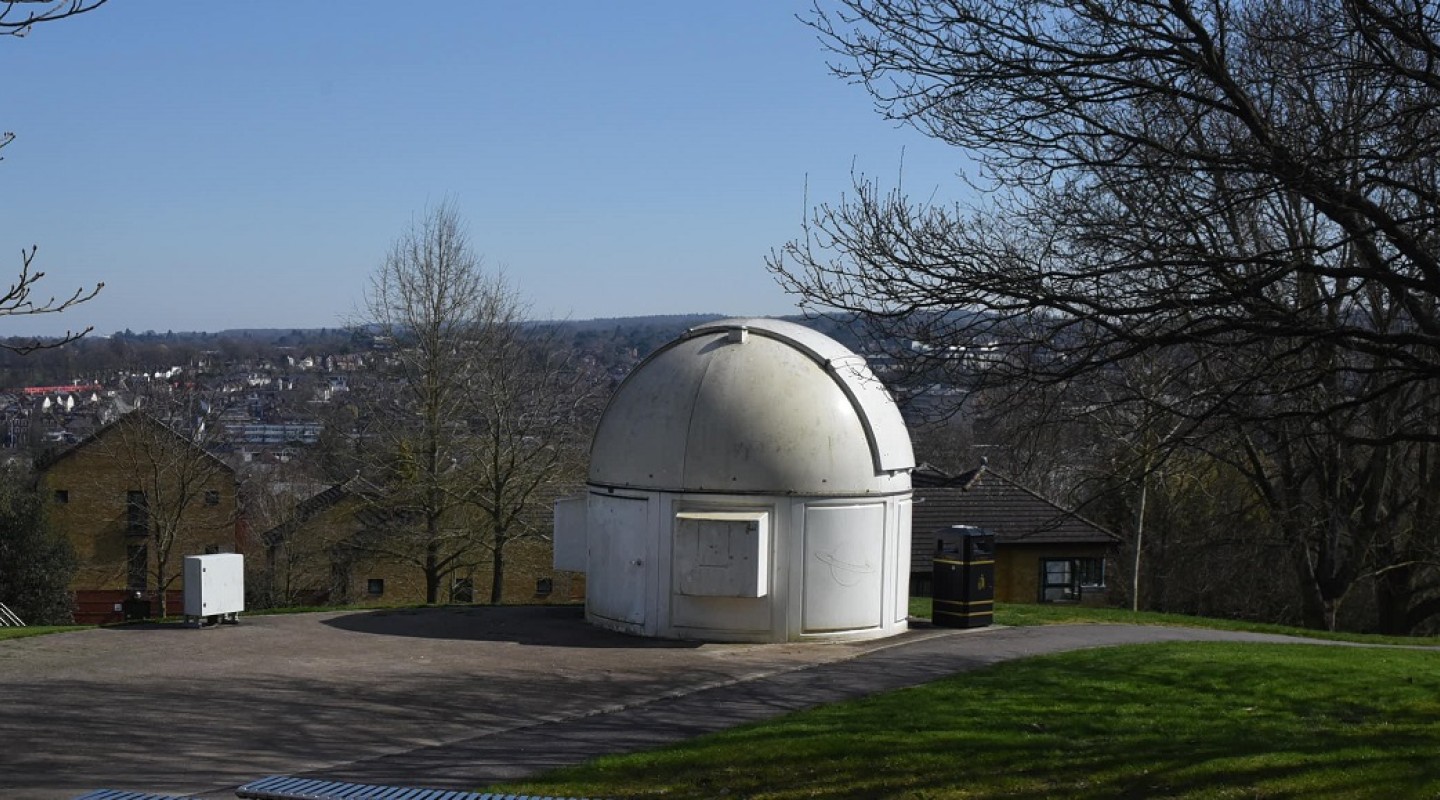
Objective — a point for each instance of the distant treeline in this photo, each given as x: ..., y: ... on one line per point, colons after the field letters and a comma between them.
x: 98, y: 358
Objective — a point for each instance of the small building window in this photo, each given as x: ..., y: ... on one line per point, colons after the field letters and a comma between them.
x: 62, y: 496
x: 375, y: 587
x: 1062, y: 580
x: 137, y: 514
x: 462, y: 590
x: 544, y: 586
x: 137, y: 567
x: 212, y: 497
x: 1057, y: 581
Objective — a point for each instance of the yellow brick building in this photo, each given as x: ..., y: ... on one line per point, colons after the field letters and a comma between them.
x: 331, y: 551
x: 134, y: 498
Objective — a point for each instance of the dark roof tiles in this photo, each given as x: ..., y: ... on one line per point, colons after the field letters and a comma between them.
x: 1016, y: 515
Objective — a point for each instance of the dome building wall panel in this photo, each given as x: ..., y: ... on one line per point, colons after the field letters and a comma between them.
x: 844, y: 567
x: 772, y: 421
x: 640, y: 439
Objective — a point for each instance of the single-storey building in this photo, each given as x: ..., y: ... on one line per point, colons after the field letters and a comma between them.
x: 1043, y: 553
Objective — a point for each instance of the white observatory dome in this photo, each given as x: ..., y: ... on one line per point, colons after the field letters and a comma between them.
x: 753, y: 406
x: 749, y: 482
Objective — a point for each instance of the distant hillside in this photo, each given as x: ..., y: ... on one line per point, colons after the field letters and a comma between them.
x: 678, y: 322
x: 617, y: 342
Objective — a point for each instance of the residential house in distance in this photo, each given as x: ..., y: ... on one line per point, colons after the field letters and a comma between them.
x: 46, y: 418
x: 331, y: 550
x: 134, y: 498
x: 1043, y: 553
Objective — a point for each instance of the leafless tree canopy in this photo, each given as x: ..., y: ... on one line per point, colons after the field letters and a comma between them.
x: 1233, y: 201
x: 1159, y: 175
x: 164, y: 457
x: 18, y: 301
x: 481, y: 418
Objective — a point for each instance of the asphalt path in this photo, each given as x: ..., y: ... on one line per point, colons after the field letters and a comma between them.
x: 451, y: 698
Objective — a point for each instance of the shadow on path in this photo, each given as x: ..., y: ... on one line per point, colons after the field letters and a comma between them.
x: 542, y: 626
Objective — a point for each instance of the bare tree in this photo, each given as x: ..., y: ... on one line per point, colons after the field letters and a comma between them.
x: 17, y: 301
x: 1130, y: 409
x: 1121, y: 138
x: 472, y: 426
x: 181, y: 498
x: 534, y: 406
x: 279, y: 498
x: 1242, y: 191
x: 428, y: 299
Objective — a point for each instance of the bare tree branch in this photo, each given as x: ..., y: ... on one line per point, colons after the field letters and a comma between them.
x: 17, y: 17
x: 17, y: 301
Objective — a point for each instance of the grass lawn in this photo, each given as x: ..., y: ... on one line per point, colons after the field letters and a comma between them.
x: 38, y: 630
x: 1193, y: 720
x: 1053, y: 614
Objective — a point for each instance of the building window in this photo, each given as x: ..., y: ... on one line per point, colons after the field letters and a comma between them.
x: 1091, y: 572
x: 212, y: 497
x: 1057, y: 581
x: 1062, y: 580
x: 544, y: 586
x: 375, y: 587
x: 339, y: 579
x: 137, y: 514
x: 62, y: 496
x: 462, y: 590
x: 137, y: 561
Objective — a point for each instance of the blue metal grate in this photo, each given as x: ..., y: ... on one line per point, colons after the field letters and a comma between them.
x: 280, y: 787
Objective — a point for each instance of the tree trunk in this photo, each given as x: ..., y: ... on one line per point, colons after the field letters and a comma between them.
x: 160, y: 584
x: 1312, y: 603
x: 1139, y: 540
x: 1392, y: 601
x: 432, y: 574
x: 497, y: 571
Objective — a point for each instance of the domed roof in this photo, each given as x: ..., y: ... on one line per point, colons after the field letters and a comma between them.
x: 753, y: 406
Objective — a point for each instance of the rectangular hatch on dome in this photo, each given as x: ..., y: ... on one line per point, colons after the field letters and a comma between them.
x: 721, y: 553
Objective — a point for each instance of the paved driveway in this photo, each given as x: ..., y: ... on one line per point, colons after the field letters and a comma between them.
x: 451, y: 698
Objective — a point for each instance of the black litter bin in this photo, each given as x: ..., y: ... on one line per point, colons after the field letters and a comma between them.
x: 135, y: 607
x: 964, y: 578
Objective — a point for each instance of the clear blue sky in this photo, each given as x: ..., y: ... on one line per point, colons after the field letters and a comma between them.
x: 247, y: 164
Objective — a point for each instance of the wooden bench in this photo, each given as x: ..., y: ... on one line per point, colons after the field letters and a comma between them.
x: 280, y: 787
